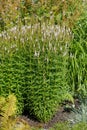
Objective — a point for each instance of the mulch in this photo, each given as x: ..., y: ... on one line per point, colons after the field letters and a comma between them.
x: 61, y: 115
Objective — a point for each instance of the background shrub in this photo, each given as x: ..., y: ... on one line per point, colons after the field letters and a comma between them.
x: 9, y: 13
x: 23, y: 12
x: 77, y: 58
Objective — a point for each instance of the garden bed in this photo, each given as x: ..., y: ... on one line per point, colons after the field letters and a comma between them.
x: 62, y: 115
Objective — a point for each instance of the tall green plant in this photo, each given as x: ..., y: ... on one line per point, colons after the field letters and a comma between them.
x: 45, y: 78
x: 35, y: 70
x: 77, y: 58
x: 10, y: 76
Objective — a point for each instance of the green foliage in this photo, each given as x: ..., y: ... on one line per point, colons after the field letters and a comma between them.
x: 8, y: 111
x: 61, y: 126
x: 10, y: 78
x: 77, y: 58
x: 79, y: 114
x: 36, y: 72
x: 80, y: 126
x: 9, y: 13
x: 69, y: 97
x: 45, y: 84
x: 31, y: 11
x: 66, y: 126
x: 61, y: 12
x: 34, y: 59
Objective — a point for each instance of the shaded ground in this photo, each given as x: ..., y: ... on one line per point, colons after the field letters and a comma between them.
x: 61, y: 115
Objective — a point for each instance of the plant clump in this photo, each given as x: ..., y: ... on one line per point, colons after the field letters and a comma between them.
x: 8, y: 118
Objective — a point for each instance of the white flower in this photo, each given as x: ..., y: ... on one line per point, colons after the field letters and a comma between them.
x: 61, y: 48
x: 36, y: 53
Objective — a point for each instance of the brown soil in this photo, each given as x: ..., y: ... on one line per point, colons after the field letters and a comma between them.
x: 61, y: 115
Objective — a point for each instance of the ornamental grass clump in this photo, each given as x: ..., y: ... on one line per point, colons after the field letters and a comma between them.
x: 77, y: 58
x: 34, y: 68
x: 79, y: 114
x: 45, y: 79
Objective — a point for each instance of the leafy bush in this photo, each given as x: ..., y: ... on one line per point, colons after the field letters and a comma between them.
x: 29, y: 11
x: 10, y: 78
x: 8, y: 111
x: 9, y: 14
x: 36, y: 72
x: 45, y: 82
x: 64, y: 12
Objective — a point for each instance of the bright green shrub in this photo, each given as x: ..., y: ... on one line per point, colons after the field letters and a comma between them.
x: 36, y: 72
x: 45, y: 78
x: 11, y: 71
